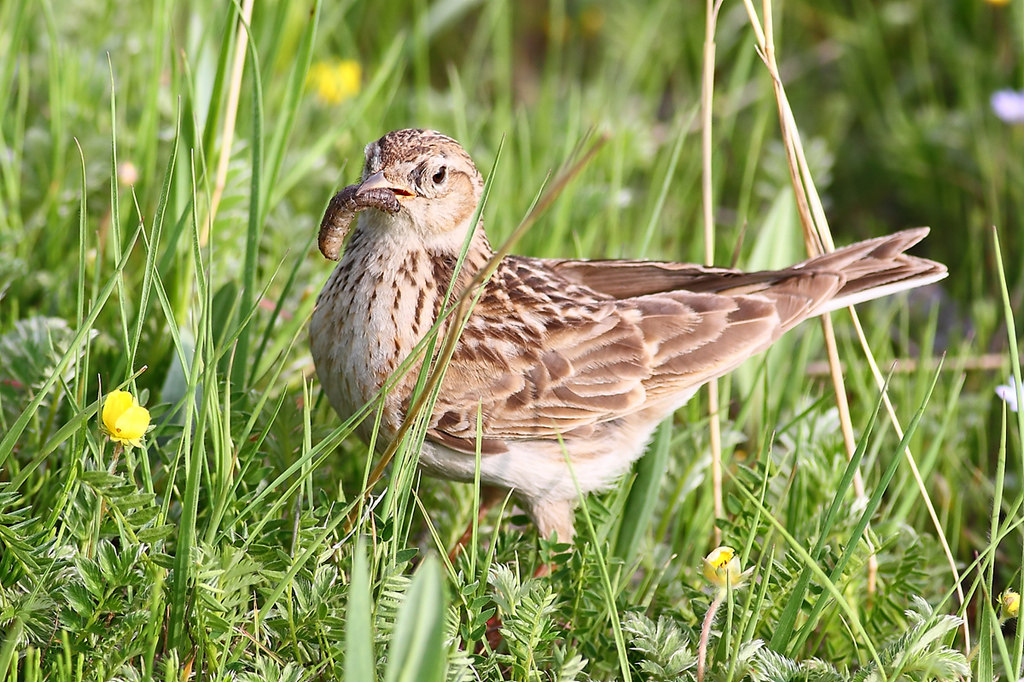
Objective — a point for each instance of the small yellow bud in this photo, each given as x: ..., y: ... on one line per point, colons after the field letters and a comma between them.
x: 1009, y: 605
x: 124, y: 420
x: 722, y: 567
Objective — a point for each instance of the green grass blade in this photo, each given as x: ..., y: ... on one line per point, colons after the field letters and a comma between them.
x: 869, y: 509
x: 1011, y: 335
x: 254, y: 229
x: 417, y: 646
x: 643, y: 495
x: 787, y: 621
x: 359, y: 657
x: 290, y: 104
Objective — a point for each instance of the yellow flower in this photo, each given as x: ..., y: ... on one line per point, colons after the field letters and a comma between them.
x: 1009, y: 605
x: 335, y: 81
x: 722, y: 567
x: 124, y: 420
x: 998, y: 2
x: 591, y: 21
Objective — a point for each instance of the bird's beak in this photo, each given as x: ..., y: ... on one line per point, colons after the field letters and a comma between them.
x: 378, y: 181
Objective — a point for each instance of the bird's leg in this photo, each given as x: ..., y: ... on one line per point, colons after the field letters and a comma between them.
x: 489, y: 496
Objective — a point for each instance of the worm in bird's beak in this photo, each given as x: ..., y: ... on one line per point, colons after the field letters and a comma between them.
x: 375, y: 191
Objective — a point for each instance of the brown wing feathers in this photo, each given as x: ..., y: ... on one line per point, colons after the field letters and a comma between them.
x: 864, y: 265
x: 571, y: 378
x: 727, y: 331
x: 654, y: 331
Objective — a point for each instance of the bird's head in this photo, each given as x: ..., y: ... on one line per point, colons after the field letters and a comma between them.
x: 432, y: 177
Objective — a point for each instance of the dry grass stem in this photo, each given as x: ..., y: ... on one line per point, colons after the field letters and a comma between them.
x: 707, y: 100
x: 230, y: 114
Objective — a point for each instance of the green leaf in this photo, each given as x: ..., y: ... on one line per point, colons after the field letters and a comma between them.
x: 79, y: 599
x: 109, y: 564
x: 156, y: 533
x: 142, y: 516
x: 101, y: 480
x: 92, y: 578
x: 359, y: 659
x: 643, y: 495
x: 417, y: 648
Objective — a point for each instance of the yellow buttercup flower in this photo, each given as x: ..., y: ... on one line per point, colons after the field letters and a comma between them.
x: 124, y: 420
x: 335, y: 81
x: 722, y: 567
x: 1009, y: 605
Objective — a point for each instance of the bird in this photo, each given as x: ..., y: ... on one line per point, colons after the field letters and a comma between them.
x: 564, y: 368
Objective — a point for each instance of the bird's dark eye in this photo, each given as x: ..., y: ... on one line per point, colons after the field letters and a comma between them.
x: 440, y: 175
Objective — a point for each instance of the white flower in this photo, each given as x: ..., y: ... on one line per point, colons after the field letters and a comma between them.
x: 1008, y: 394
x: 1008, y: 105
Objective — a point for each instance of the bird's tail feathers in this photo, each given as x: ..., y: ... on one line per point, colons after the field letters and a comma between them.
x: 876, y: 268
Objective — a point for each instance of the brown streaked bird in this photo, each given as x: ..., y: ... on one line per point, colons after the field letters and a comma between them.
x: 583, y: 355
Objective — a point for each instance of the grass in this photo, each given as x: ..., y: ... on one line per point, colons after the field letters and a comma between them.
x: 162, y: 177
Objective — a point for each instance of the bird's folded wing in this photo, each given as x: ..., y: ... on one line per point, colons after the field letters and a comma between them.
x: 871, y: 264
x: 631, y: 278
x: 558, y: 347
x: 539, y: 374
x: 582, y: 371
